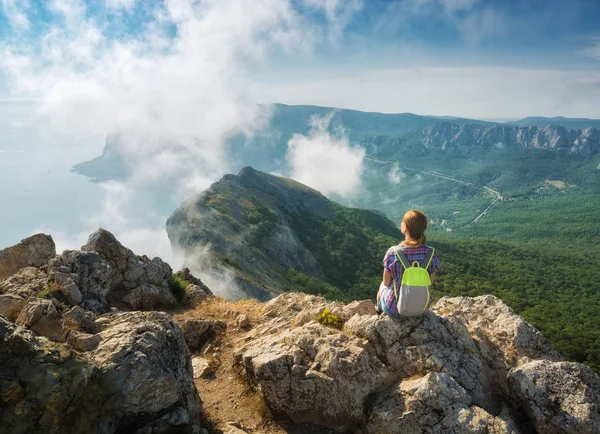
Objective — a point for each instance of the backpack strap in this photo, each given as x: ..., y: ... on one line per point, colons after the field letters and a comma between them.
x: 428, y: 259
x: 402, y: 258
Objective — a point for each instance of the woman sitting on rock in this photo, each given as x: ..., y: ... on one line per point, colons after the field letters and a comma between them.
x: 411, y: 297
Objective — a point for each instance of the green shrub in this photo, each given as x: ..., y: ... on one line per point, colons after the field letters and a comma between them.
x: 230, y: 261
x: 177, y: 285
x: 44, y: 293
x: 327, y: 318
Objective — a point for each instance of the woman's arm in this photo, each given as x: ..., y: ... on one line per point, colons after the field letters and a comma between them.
x: 387, y: 277
x: 432, y: 276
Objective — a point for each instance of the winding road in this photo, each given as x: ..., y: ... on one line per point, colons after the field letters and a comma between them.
x: 497, y: 196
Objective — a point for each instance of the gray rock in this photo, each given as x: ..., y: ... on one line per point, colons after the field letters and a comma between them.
x: 558, y: 397
x: 24, y: 283
x: 90, y: 274
x: 243, y: 322
x: 83, y: 341
x: 79, y: 319
x: 34, y: 251
x: 435, y: 403
x: 139, y: 379
x: 202, y: 367
x: 135, y: 282
x: 313, y: 374
x: 41, y: 316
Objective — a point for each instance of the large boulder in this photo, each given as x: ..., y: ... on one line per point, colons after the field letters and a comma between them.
x: 34, y: 251
x: 135, y: 282
x: 138, y: 379
x: 558, y: 397
x: 435, y: 403
x: 314, y: 374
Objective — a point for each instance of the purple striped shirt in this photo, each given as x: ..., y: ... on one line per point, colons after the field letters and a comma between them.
x: 392, y: 264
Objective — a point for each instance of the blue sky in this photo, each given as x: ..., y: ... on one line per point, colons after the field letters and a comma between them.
x: 475, y: 44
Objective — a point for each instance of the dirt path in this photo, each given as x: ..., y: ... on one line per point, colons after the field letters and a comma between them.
x: 227, y: 401
x: 497, y: 196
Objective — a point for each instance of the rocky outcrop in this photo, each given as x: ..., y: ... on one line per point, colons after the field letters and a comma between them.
x: 469, y: 365
x: 34, y: 251
x: 71, y: 362
x: 464, y: 137
x: 138, y: 379
x: 137, y: 282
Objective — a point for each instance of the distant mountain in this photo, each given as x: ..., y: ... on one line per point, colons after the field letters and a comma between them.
x: 273, y: 234
x: 445, y: 135
x: 574, y: 123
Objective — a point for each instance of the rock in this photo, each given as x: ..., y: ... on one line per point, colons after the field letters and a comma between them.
x: 198, y: 332
x: 195, y: 294
x: 25, y: 283
x: 139, y: 379
x: 41, y: 316
x: 363, y: 307
x: 504, y: 338
x: 435, y: 403
x: 231, y: 428
x: 469, y: 365
x: 10, y: 306
x: 34, y: 251
x: 313, y: 374
x: 186, y: 274
x: 135, y: 282
x: 90, y: 274
x: 83, y: 341
x: 66, y: 289
x: 558, y: 397
x: 418, y: 345
x: 149, y: 352
x: 242, y: 322
x: 78, y: 319
x: 202, y: 367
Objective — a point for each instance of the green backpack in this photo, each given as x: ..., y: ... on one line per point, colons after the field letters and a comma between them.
x: 414, y: 295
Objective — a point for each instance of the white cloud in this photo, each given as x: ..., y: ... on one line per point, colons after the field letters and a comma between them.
x: 16, y: 12
x: 325, y: 161
x: 120, y: 4
x: 396, y: 175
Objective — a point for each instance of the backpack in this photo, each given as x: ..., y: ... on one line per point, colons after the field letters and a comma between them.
x: 413, y: 296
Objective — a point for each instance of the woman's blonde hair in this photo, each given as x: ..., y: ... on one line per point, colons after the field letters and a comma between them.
x: 416, y: 223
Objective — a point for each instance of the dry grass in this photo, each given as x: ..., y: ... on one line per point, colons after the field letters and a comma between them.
x: 69, y: 323
x: 13, y: 313
x: 53, y: 287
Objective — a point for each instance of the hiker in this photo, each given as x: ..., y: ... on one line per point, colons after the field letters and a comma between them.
x: 411, y: 296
